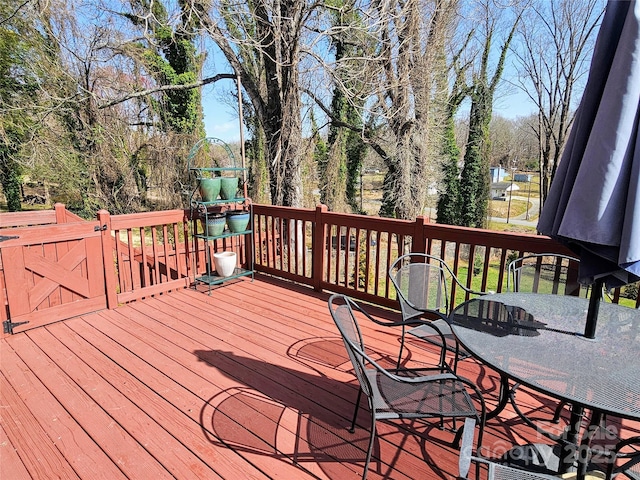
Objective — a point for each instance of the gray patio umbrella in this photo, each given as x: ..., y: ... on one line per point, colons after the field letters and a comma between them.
x: 593, y: 204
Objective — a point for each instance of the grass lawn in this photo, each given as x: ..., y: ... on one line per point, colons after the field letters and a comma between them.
x: 500, y: 208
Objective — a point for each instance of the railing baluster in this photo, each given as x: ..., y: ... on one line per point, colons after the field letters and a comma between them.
x: 470, y: 268
x: 134, y: 272
x: 357, y: 254
x: 377, y: 276
x: 145, y: 279
x: 367, y: 262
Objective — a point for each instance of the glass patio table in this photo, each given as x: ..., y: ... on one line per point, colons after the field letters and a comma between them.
x: 537, y: 340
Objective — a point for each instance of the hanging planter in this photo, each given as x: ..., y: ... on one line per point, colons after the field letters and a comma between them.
x: 238, y: 220
x: 225, y: 263
x: 213, y: 224
x: 228, y: 187
x: 209, y: 188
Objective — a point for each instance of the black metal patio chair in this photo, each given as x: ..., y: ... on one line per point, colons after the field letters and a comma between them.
x: 401, y: 393
x: 545, y: 273
x: 422, y: 283
x: 485, y: 469
x: 627, y: 456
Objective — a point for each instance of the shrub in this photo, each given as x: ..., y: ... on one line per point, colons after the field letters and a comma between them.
x: 630, y: 291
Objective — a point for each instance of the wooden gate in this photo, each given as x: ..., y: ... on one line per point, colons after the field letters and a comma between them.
x: 55, y: 272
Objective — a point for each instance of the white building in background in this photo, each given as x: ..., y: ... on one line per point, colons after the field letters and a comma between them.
x: 500, y: 190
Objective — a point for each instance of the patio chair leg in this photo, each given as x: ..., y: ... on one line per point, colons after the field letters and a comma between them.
x: 371, y: 442
x: 352, y: 429
x: 455, y: 357
x: 458, y: 432
x: 558, y: 413
x: 401, y: 348
x: 458, y: 436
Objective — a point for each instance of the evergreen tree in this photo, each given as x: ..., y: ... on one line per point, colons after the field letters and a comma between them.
x: 474, y: 182
x: 356, y: 152
x: 449, y: 201
x: 11, y: 129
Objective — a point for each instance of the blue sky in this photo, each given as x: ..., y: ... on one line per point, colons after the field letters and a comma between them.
x: 221, y: 124
x: 220, y: 119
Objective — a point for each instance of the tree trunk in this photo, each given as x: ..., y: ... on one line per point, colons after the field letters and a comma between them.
x: 283, y: 131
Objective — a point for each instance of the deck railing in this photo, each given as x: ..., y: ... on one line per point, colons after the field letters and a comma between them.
x: 351, y: 254
x: 150, y: 253
x: 155, y: 252
x: 59, y: 214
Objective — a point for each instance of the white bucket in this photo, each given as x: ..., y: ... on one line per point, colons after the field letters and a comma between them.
x: 225, y: 263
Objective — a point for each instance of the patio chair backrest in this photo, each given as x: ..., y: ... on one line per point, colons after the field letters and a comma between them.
x: 544, y: 273
x: 421, y: 283
x: 486, y: 469
x: 626, y: 455
x: 341, y: 308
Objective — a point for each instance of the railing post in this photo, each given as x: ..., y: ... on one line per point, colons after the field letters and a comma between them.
x: 186, y: 225
x: 419, y: 243
x: 319, y: 247
x: 61, y: 213
x: 107, y: 257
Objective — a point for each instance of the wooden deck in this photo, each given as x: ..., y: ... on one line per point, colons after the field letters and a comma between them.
x: 249, y: 382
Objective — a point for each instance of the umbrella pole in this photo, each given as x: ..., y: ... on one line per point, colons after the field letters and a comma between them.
x: 594, y: 306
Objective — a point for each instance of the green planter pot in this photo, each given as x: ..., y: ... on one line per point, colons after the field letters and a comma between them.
x: 238, y: 220
x: 209, y: 189
x: 214, y: 224
x: 228, y: 187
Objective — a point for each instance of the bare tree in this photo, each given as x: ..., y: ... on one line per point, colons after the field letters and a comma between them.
x: 262, y: 41
x: 553, y: 53
x: 339, y: 159
x: 409, y: 101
